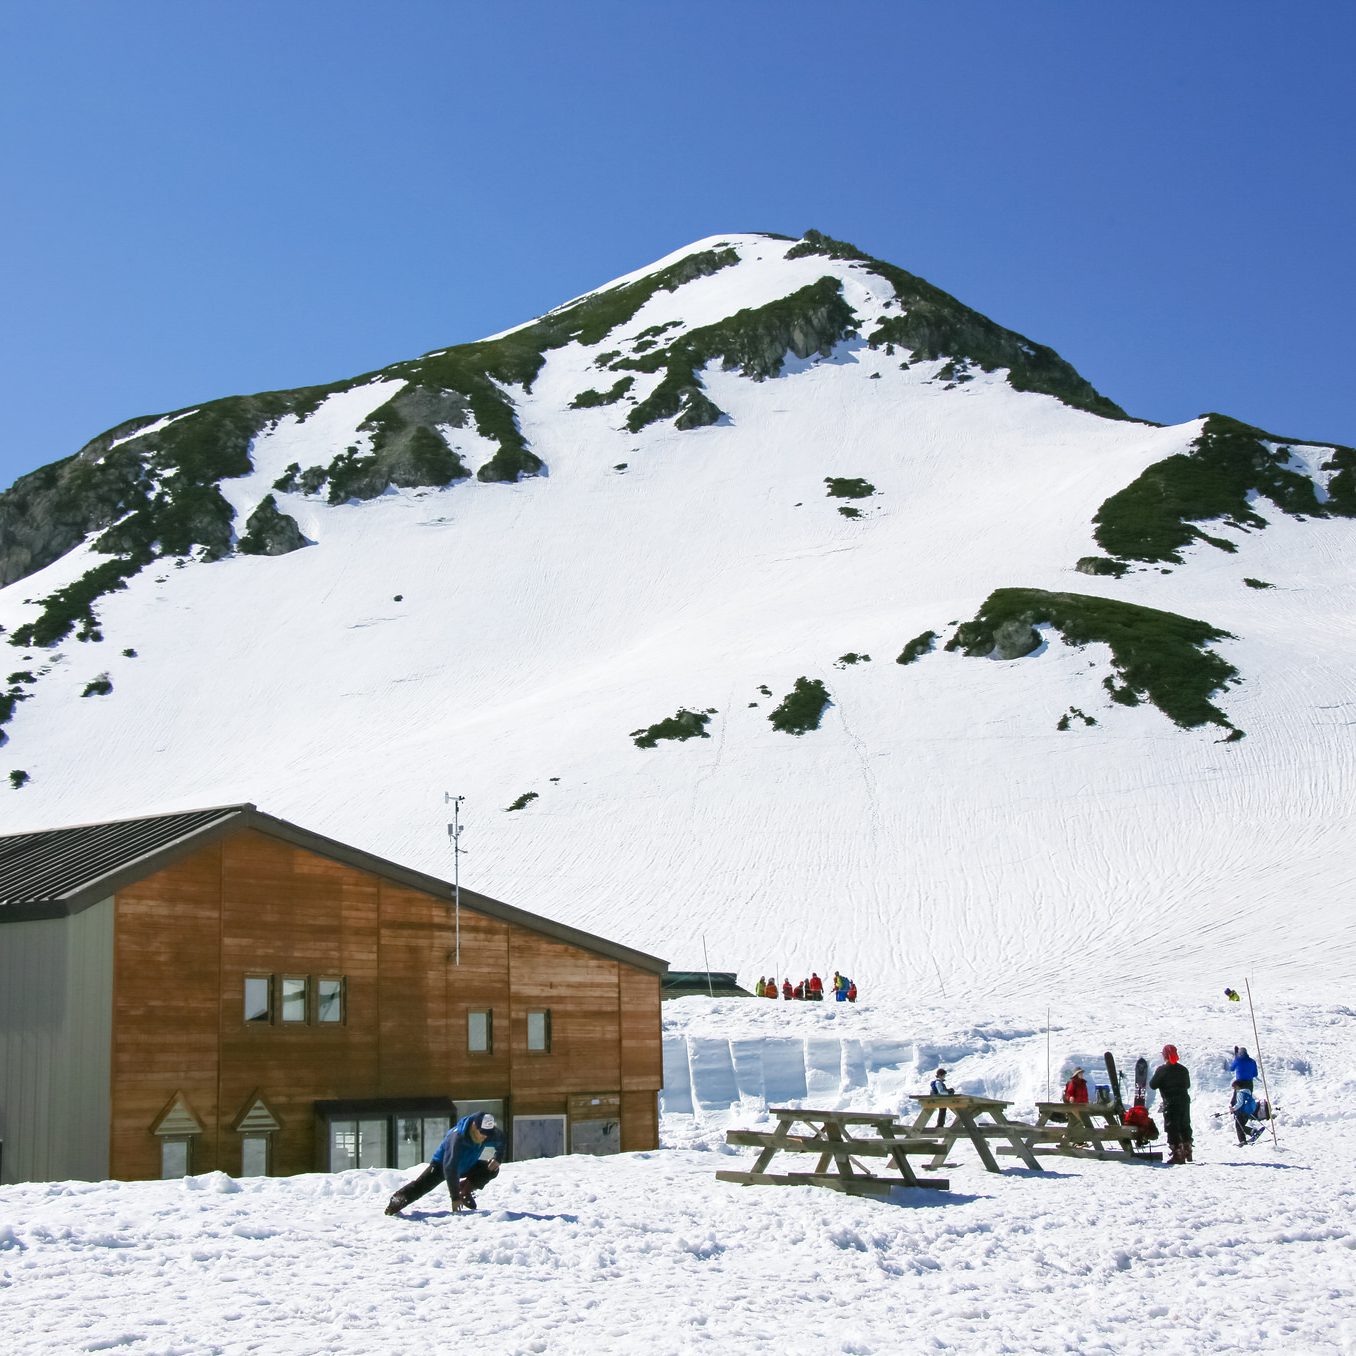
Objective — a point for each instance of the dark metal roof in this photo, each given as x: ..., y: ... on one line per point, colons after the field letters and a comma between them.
x: 53, y: 865
x: 55, y: 872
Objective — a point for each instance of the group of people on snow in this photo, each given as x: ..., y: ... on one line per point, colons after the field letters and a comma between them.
x: 844, y: 990
x: 1172, y: 1081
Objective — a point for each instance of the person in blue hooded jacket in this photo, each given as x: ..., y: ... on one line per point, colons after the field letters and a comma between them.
x: 460, y: 1162
x: 1243, y: 1068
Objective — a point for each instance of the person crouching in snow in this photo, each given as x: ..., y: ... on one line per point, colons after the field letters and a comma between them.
x: 457, y: 1161
x: 1172, y: 1082
x: 1076, y: 1089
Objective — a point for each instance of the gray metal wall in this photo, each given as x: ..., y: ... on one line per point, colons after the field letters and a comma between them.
x: 56, y: 1013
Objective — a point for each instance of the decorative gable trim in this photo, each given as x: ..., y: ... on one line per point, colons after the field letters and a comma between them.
x: 177, y: 1119
x: 257, y: 1118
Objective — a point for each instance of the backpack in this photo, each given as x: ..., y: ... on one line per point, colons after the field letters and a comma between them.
x: 1143, y: 1124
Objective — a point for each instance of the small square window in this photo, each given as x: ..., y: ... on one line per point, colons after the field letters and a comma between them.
x: 480, y: 1031
x: 329, y: 1000
x: 258, y: 998
x: 539, y: 1030
x: 293, y: 999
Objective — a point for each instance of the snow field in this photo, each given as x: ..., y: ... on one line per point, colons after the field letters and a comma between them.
x: 1245, y: 1250
x: 937, y: 836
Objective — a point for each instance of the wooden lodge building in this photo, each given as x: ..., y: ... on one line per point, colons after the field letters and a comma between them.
x: 220, y: 989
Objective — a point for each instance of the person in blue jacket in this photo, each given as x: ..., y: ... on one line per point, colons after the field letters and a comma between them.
x: 1243, y: 1068
x: 460, y: 1162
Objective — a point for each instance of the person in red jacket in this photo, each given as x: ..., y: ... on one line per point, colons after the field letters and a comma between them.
x: 1076, y: 1089
x: 786, y: 990
x: 852, y: 991
x: 816, y: 987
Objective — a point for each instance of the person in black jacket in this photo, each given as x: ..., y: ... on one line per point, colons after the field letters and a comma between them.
x: 1172, y: 1082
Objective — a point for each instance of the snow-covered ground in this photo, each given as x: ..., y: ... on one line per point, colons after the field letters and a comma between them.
x: 1246, y: 1250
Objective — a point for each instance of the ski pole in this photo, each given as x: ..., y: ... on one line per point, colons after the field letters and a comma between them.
x: 1261, y: 1068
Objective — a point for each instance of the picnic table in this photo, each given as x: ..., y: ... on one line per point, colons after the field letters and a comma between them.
x: 840, y: 1140
x: 1086, y: 1130
x: 978, y: 1119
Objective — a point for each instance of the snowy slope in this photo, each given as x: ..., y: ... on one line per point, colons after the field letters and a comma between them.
x: 937, y: 835
x: 1245, y: 1250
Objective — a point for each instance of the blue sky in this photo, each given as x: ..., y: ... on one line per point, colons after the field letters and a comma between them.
x: 201, y: 200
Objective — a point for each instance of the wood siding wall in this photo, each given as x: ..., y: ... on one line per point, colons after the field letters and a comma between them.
x: 188, y: 935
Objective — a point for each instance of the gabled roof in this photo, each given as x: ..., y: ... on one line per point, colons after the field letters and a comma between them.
x: 52, y: 873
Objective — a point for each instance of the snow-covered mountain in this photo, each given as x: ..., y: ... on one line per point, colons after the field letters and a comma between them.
x: 767, y: 604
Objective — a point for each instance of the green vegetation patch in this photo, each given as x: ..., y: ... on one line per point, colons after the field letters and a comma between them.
x: 754, y: 342
x: 591, y: 399
x: 1101, y: 565
x: 852, y: 657
x: 98, y: 687
x: 525, y: 799
x: 73, y: 605
x: 802, y: 708
x: 846, y: 487
x: 1153, y: 517
x: 935, y: 325
x: 1258, y: 583
x: 684, y: 724
x: 18, y: 777
x: 917, y: 648
x: 1072, y: 714
x: 1160, y: 657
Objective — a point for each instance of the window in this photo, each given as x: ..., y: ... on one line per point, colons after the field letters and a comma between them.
x: 358, y: 1144
x: 538, y: 1136
x: 480, y: 1031
x: 174, y: 1157
x: 254, y: 1156
x: 539, y: 1030
x: 293, y: 999
x: 329, y: 1000
x: 258, y: 998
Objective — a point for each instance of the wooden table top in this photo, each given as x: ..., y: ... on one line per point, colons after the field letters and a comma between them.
x: 786, y: 1113
x: 962, y: 1100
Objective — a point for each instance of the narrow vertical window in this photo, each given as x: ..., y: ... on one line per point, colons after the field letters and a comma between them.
x: 254, y: 1156
x: 539, y: 1030
x: 258, y: 998
x: 174, y: 1157
x: 293, y: 999
x: 480, y: 1031
x: 329, y: 1000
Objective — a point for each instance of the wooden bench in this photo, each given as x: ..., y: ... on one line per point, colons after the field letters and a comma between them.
x: 1085, y: 1130
x: 838, y: 1143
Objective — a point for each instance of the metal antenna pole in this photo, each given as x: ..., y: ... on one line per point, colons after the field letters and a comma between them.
x: 454, y: 836
x: 709, y: 990
x: 1261, y: 1068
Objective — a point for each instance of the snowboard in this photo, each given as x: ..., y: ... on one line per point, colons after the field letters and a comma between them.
x: 1114, y: 1081
x: 1141, y: 1081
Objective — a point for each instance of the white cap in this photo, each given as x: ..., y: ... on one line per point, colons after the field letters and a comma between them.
x: 487, y: 1121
